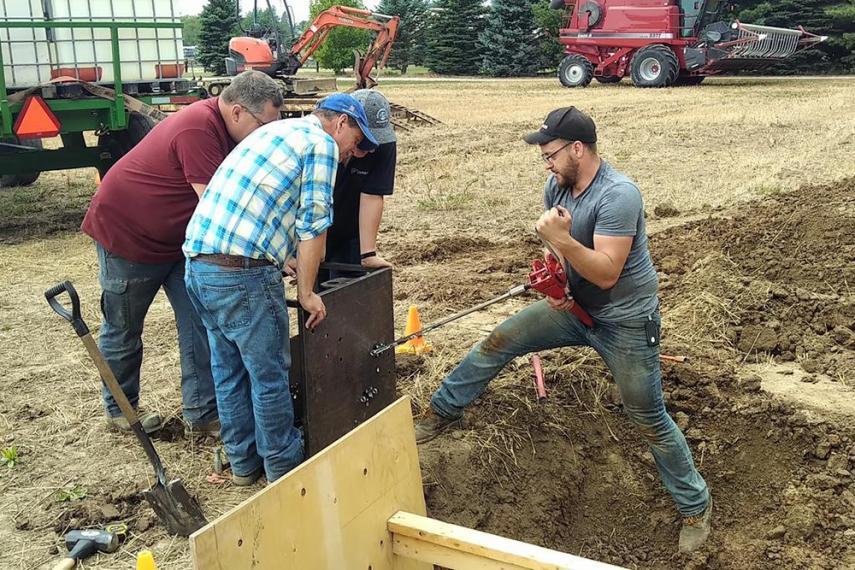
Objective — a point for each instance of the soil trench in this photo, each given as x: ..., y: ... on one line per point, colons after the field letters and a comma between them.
x: 762, y: 293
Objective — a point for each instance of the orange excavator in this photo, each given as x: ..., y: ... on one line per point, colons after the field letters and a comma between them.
x: 262, y: 48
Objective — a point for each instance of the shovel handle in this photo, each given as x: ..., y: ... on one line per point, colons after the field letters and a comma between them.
x: 72, y: 316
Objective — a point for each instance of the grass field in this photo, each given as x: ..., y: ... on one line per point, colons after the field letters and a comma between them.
x: 467, y: 194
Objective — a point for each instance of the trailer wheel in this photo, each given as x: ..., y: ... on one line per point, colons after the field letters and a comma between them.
x: 607, y: 79
x: 688, y: 80
x: 114, y: 145
x: 575, y: 71
x: 654, y: 66
x: 10, y: 180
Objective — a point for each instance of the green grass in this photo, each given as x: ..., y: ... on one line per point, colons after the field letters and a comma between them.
x: 444, y: 202
x: 75, y: 493
x: 9, y: 456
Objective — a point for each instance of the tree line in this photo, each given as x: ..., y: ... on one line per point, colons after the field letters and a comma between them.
x: 507, y: 38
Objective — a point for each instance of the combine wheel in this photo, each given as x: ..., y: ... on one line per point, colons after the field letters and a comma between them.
x: 575, y: 71
x: 654, y: 66
x: 10, y: 180
x: 606, y: 79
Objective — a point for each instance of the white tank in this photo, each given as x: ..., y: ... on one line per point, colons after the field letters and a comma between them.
x: 32, y: 57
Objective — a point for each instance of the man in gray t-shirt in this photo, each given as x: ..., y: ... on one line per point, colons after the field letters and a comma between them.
x: 594, y: 220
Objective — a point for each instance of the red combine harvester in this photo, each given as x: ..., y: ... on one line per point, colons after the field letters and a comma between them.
x: 662, y: 43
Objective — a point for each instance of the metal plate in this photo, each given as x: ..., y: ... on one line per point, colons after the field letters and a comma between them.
x: 335, y: 382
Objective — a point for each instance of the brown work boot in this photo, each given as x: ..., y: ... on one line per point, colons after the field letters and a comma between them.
x: 433, y: 425
x: 247, y: 480
x: 211, y: 428
x: 696, y: 529
x: 150, y: 422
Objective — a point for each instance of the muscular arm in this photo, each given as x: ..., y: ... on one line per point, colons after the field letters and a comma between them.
x: 602, y: 265
x: 370, y: 214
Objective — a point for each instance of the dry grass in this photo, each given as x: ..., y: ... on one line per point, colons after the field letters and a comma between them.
x: 697, y: 148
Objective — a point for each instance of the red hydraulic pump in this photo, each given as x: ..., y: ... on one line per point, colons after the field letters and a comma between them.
x: 547, y: 276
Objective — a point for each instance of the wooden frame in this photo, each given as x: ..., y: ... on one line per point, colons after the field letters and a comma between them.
x: 359, y: 504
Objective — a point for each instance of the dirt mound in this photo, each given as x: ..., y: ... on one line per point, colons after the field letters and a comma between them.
x: 769, y: 283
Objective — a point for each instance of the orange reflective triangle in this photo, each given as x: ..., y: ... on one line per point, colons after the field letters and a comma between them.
x: 36, y: 120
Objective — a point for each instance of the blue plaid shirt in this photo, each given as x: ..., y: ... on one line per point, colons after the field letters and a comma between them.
x: 273, y: 189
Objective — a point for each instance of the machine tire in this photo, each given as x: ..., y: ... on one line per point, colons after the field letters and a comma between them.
x: 10, y: 180
x: 118, y: 143
x: 654, y: 66
x: 689, y: 80
x: 575, y: 71
x: 607, y: 79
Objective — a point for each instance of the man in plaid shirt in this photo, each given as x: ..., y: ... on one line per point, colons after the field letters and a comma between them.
x: 269, y: 201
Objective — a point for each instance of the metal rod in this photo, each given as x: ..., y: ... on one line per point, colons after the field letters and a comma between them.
x: 518, y: 290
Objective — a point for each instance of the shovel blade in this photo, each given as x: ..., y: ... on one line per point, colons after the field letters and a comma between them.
x: 176, y: 508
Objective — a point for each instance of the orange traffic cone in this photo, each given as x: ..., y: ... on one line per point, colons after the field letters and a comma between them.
x: 417, y: 345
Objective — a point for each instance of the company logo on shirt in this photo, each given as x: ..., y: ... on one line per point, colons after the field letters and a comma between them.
x: 355, y: 170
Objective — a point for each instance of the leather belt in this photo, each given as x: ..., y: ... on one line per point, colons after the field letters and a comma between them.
x: 232, y: 260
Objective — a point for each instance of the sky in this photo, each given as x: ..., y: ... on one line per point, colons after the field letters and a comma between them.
x: 300, y: 8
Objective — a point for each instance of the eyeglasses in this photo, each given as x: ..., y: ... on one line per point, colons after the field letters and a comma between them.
x: 254, y: 116
x: 547, y: 158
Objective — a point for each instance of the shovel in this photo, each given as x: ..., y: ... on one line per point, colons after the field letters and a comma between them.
x: 170, y: 500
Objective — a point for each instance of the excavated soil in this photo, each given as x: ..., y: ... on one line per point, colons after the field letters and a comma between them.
x: 758, y: 297
x: 763, y: 290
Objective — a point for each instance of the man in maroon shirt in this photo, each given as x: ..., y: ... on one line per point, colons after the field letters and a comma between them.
x: 138, y: 217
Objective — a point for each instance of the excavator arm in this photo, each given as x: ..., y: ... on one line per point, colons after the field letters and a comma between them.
x: 386, y: 28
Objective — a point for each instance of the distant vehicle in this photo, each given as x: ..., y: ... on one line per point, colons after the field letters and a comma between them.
x: 65, y: 70
x: 660, y: 43
x: 189, y: 52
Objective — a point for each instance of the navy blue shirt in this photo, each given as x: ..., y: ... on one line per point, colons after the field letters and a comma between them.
x: 610, y: 206
x: 372, y: 174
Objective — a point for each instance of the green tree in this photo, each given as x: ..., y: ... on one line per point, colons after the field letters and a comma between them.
x: 336, y: 53
x: 219, y: 22
x: 455, y: 26
x: 507, y: 41
x: 190, y: 33
x: 409, y: 46
x: 831, y: 18
x: 548, y: 22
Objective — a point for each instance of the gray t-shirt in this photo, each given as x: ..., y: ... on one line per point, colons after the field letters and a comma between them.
x: 611, y: 206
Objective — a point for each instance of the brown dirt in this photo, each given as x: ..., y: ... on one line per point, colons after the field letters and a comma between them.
x: 767, y: 283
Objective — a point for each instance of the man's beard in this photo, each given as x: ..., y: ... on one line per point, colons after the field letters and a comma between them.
x: 568, y: 176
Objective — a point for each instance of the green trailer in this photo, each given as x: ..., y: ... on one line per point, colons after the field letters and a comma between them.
x: 119, y: 113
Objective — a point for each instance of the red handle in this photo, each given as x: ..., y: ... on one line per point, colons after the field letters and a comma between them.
x: 548, y: 277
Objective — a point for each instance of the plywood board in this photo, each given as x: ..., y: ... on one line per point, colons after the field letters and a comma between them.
x: 331, y: 512
x: 463, y: 548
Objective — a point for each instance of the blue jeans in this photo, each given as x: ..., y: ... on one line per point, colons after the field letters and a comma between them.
x: 128, y: 289
x: 633, y: 363
x: 247, y: 320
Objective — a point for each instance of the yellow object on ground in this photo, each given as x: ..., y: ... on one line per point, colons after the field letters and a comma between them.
x: 145, y: 560
x: 417, y: 345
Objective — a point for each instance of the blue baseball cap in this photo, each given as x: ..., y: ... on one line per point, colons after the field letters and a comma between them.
x: 347, y: 104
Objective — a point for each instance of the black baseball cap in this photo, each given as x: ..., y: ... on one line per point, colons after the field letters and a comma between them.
x: 568, y: 123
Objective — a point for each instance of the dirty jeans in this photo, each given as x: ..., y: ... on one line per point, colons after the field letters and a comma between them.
x: 247, y: 320
x: 633, y: 363
x: 128, y: 289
